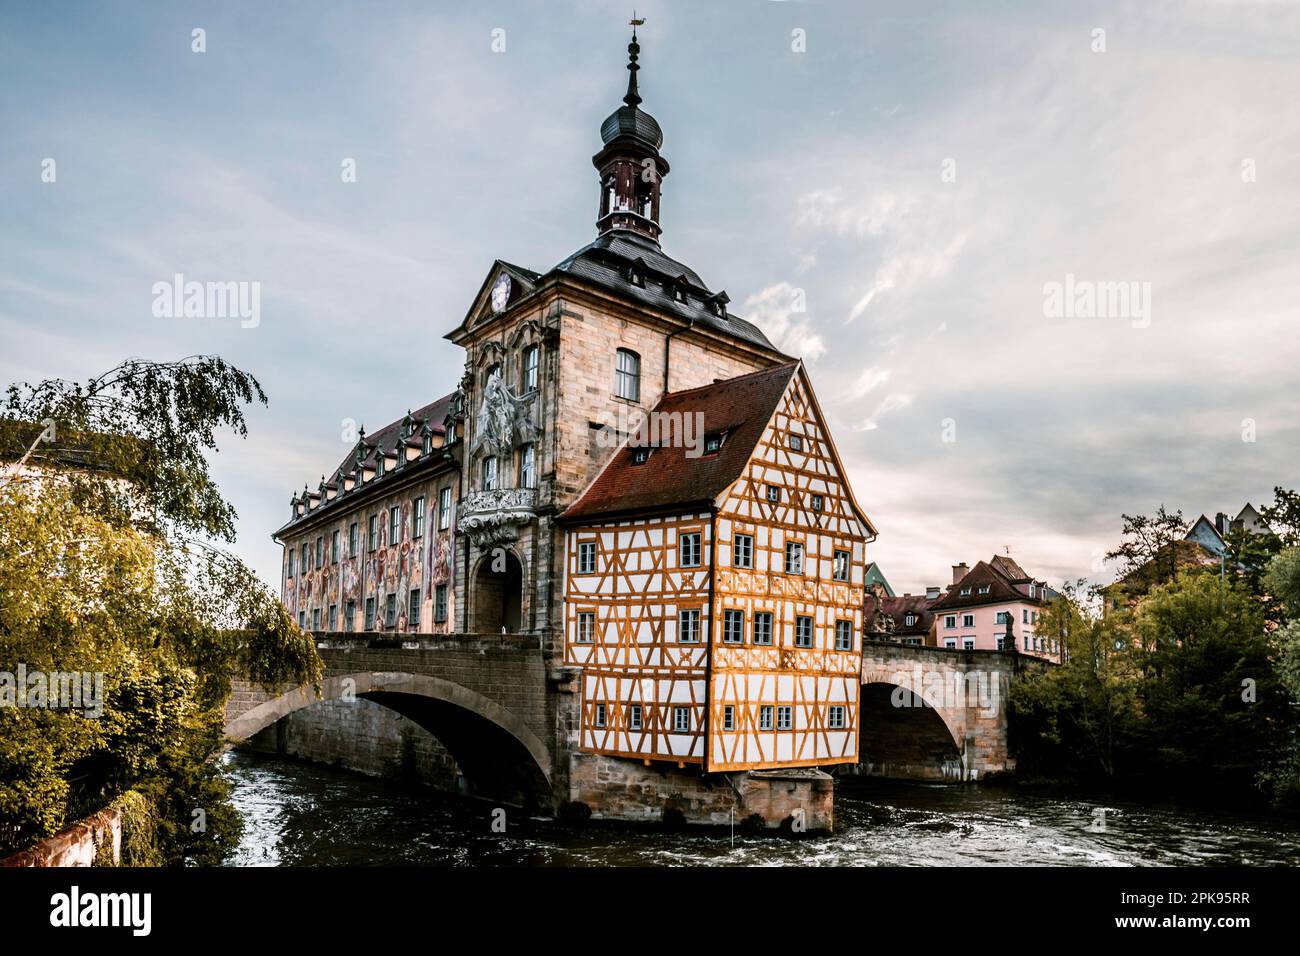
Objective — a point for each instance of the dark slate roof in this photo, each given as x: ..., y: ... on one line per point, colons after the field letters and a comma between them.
x: 738, y: 408
x: 633, y: 123
x: 386, y: 438
x: 609, y: 260
x: 1006, y: 581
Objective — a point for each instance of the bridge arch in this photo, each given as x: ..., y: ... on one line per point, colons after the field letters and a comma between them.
x: 497, y: 753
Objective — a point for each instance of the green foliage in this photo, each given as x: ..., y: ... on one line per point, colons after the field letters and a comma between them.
x: 139, y: 830
x: 1282, y: 580
x: 1185, y: 693
x: 96, y: 577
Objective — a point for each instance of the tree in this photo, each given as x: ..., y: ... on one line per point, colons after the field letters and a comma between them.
x: 1283, y: 517
x: 98, y: 577
x: 1150, y: 547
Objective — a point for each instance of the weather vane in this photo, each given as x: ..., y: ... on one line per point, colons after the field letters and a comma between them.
x: 634, y: 22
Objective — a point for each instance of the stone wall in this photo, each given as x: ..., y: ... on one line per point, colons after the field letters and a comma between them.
x: 364, y: 737
x: 612, y: 788
x: 78, y: 845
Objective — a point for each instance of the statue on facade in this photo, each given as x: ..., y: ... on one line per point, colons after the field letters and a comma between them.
x: 503, y: 419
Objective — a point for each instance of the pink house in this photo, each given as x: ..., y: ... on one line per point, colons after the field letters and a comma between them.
x: 987, y: 602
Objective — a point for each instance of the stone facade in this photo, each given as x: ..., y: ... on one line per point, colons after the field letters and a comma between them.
x: 96, y: 839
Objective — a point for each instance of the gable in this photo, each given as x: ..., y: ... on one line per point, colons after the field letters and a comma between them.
x: 797, y: 455
x: 522, y: 282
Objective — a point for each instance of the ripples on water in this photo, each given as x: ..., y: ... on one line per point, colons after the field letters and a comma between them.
x: 306, y: 815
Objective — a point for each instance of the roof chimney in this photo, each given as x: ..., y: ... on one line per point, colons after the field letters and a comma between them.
x: 959, y: 571
x: 932, y: 593
x: 1221, y: 523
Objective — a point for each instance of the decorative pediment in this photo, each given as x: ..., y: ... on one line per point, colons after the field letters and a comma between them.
x: 504, y: 285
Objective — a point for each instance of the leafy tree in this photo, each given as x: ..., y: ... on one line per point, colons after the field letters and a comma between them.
x: 97, y: 576
x: 1075, y: 718
x: 1150, y: 549
x: 1283, y: 516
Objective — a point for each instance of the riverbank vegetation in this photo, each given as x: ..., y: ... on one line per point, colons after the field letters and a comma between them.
x: 1184, y: 681
x: 114, y: 586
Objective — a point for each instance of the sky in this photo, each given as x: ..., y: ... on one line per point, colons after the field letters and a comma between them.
x: 892, y: 191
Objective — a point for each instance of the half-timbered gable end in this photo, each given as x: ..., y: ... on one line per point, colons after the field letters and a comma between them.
x: 714, y: 584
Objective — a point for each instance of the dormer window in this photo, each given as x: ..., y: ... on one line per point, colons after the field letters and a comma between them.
x: 911, y: 619
x: 712, y: 443
x: 965, y: 592
x: 984, y: 589
x: 640, y: 456
x: 379, y: 463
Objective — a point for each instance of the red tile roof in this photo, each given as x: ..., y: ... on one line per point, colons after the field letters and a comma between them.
x: 738, y: 408
x: 897, y: 608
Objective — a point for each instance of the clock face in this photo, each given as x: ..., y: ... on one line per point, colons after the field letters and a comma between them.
x: 500, y: 292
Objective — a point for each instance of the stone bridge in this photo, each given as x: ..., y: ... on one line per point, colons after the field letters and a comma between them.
x: 932, y: 713
x: 484, y: 699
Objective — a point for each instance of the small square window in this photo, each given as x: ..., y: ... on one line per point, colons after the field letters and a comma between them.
x: 634, y: 717
x: 816, y: 502
x: 765, y: 717
x: 784, y: 717
x: 835, y: 717
x: 968, y: 620
x: 587, y: 557
x: 681, y: 720
x: 984, y: 589
x: 728, y: 717
x: 600, y: 715
x: 796, y: 442
x: 965, y: 592
x: 712, y: 443
x: 950, y: 620
x: 640, y: 456
x: 773, y: 493
x: 733, y: 627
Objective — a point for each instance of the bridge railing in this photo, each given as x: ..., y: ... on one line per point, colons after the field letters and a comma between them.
x: 417, y: 640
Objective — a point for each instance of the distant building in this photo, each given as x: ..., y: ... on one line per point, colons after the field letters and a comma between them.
x: 876, y: 576
x: 992, y: 605
x: 908, y: 619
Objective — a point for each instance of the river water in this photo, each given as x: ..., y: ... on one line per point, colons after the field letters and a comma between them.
x: 299, y: 814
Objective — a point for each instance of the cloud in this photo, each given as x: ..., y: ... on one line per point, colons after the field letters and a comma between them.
x: 779, y: 311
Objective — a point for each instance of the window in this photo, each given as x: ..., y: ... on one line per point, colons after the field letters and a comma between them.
x: 302, y: 620
x: 640, y: 456
x: 627, y: 375
x: 743, y: 551
x: 843, y: 636
x: 1002, y: 640
x: 1026, y: 616
x: 349, y: 615
x: 370, y: 614
x: 413, y: 610
x: 305, y: 565
x: 794, y: 557
x: 586, y: 627
x: 444, y: 508
x: 688, y: 626
x: 390, y: 611
x: 950, y: 620
x: 334, y: 617
x: 712, y: 443
x: 796, y: 443
x: 965, y: 592
x: 334, y: 547
x: 763, y: 627
x: 969, y: 643
x: 765, y: 717
x: 968, y: 620
x: 840, y: 566
x: 489, y: 468
x: 784, y: 717
x: 600, y: 715
x: 587, y: 557
x: 527, y: 467
x: 835, y: 717
x: 417, y: 518
x: 529, y: 379
x: 320, y: 554
x: 440, y: 604
x: 773, y: 493
x: 1004, y: 617
x: 803, y: 631
x: 315, y: 619
x: 733, y: 627
x: 816, y: 502
x: 394, y: 525
x: 688, y: 548
x: 984, y: 589
x: 1032, y: 590
x: 950, y: 643
x: 372, y: 532
x: 681, y: 719
x: 634, y: 717
x: 728, y: 717
x: 353, y: 539
x: 289, y: 571
x: 911, y: 619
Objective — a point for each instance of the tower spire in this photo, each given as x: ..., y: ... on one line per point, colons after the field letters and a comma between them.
x: 633, y: 98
